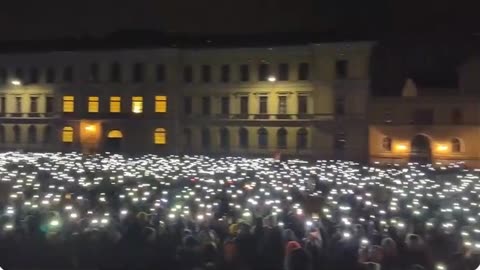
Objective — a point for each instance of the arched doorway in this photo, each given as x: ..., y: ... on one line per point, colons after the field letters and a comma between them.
x: 420, y: 149
x: 113, y: 142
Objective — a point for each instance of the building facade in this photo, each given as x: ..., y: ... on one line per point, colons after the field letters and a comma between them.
x: 307, y: 100
x: 432, y: 125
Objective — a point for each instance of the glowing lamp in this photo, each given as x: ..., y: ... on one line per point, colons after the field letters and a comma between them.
x: 272, y: 79
x: 401, y: 147
x: 90, y: 128
x: 442, y: 148
x: 16, y: 82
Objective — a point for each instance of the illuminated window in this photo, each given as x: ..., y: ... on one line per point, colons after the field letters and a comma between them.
x: 137, y: 104
x: 93, y: 104
x: 67, y: 135
x: 68, y: 104
x: 115, y: 104
x: 160, y: 104
x: 160, y: 136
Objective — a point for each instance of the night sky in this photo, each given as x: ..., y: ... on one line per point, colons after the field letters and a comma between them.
x: 431, y: 61
x: 34, y: 19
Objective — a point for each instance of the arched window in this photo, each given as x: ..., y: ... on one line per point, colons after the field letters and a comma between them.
x: 302, y: 138
x: 187, y: 138
x: 206, y: 138
x: 32, y: 134
x: 160, y: 136
x: 224, y: 138
x: 456, y: 145
x: 282, y: 138
x: 262, y: 138
x: 47, y: 133
x: 67, y: 135
x: 16, y: 134
x: 387, y: 144
x: 115, y: 134
x: 243, y: 137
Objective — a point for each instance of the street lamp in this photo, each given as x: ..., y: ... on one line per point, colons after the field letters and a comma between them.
x: 16, y: 82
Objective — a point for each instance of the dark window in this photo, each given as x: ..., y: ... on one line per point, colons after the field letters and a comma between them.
x: 47, y: 134
x: 340, y: 141
x: 224, y: 139
x: 263, y: 105
x: 68, y: 74
x: 302, y: 138
x: 206, y: 139
x: 387, y: 144
x: 3, y: 75
x: 187, y: 135
x: 423, y: 117
x: 341, y: 68
x: 206, y: 105
x: 244, y: 105
x: 50, y: 76
x: 302, y: 105
x: 32, y: 134
x: 18, y: 104
x: 160, y: 73
x: 283, y: 72
x: 387, y: 118
x: 94, y: 75
x: 243, y: 137
x: 340, y: 106
x: 33, y: 104
x: 456, y: 145
x: 2, y: 134
x: 303, y: 71
x: 225, y: 106
x: 262, y: 138
x: 49, y: 104
x: 115, y: 72
x: 206, y: 73
x: 3, y: 103
x: 282, y: 105
x: 457, y: 116
x: 225, y: 76
x: 187, y: 105
x: 138, y: 72
x: 188, y: 74
x: 282, y: 138
x: 244, y: 73
x: 19, y: 74
x: 263, y: 72
x: 34, y: 75
x: 16, y: 134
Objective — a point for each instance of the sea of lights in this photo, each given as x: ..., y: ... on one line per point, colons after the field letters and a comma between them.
x: 103, y: 189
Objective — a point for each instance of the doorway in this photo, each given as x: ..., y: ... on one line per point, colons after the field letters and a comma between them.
x: 420, y: 149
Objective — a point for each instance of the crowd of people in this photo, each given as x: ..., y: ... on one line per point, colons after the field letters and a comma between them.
x: 74, y: 211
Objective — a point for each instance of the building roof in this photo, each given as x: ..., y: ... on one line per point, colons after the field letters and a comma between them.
x: 153, y: 39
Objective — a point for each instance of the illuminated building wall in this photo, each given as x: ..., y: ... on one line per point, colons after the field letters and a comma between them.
x: 301, y: 100
x: 449, y: 123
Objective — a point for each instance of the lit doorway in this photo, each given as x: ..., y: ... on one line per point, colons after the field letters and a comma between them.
x: 420, y: 149
x: 113, y: 142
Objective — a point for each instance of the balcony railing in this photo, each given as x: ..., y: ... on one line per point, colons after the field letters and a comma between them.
x: 263, y: 117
